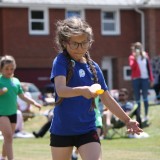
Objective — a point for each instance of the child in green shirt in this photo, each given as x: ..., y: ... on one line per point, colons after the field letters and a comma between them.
x: 9, y: 89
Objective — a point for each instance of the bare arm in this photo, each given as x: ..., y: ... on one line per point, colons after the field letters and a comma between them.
x: 65, y: 91
x: 114, y: 107
x: 29, y: 100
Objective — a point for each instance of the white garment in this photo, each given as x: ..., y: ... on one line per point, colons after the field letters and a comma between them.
x: 143, y: 67
x: 23, y: 106
x: 19, y: 124
x: 141, y: 135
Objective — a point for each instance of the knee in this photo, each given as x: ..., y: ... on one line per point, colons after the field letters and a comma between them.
x: 8, y: 137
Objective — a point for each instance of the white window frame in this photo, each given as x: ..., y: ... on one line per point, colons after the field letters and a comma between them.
x: 125, y: 76
x: 106, y: 64
x: 80, y: 10
x: 115, y: 21
x: 45, y: 21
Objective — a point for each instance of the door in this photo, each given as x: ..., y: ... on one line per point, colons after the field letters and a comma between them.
x: 107, y: 71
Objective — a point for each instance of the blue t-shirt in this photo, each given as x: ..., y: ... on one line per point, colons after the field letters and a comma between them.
x: 73, y: 116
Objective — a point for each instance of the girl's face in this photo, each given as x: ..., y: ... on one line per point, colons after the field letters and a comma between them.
x: 77, y: 46
x: 8, y: 70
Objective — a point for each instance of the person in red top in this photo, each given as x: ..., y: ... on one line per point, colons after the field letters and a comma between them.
x: 141, y: 75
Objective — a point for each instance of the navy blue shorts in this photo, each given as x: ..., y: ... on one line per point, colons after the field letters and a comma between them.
x: 12, y: 118
x: 77, y: 140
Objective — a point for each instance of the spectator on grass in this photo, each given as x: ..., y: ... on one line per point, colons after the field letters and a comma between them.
x: 156, y: 74
x: 43, y: 130
x: 23, y: 106
x: 127, y: 106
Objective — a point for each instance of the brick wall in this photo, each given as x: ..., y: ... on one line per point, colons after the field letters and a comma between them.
x: 37, y: 52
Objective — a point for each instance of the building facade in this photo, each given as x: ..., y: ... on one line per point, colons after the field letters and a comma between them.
x: 27, y: 30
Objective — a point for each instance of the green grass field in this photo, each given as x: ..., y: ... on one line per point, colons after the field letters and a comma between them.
x: 115, y: 149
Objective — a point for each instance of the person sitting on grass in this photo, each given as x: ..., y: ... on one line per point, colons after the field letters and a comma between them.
x: 23, y: 106
x: 125, y: 105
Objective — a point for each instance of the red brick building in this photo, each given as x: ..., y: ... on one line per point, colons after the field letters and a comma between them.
x: 27, y: 32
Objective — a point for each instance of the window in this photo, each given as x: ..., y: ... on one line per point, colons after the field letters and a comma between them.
x: 127, y: 73
x: 110, y: 23
x: 76, y: 13
x: 38, y: 22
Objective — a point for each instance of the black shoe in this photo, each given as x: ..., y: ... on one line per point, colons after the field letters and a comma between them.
x: 35, y: 134
x: 145, y: 124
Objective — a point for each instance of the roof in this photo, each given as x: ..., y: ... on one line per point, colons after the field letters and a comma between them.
x: 85, y: 3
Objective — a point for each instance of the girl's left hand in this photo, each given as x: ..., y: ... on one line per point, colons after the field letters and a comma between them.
x: 133, y: 127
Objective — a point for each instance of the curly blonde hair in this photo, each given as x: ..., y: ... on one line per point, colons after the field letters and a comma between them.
x: 65, y: 30
x: 71, y: 27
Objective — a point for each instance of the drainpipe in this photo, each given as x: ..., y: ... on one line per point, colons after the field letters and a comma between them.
x: 144, y: 2
x: 142, y: 25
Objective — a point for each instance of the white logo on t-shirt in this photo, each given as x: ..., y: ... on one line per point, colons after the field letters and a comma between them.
x: 81, y: 73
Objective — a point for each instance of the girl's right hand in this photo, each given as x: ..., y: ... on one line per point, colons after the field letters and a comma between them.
x: 135, y: 55
x: 3, y: 90
x: 87, y: 92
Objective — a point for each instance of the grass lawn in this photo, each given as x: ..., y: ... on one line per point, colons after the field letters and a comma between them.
x: 115, y: 149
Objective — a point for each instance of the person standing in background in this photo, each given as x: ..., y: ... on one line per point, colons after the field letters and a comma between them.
x: 141, y: 74
x: 156, y: 74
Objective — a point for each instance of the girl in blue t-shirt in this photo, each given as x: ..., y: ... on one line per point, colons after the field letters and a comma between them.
x: 73, y: 72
